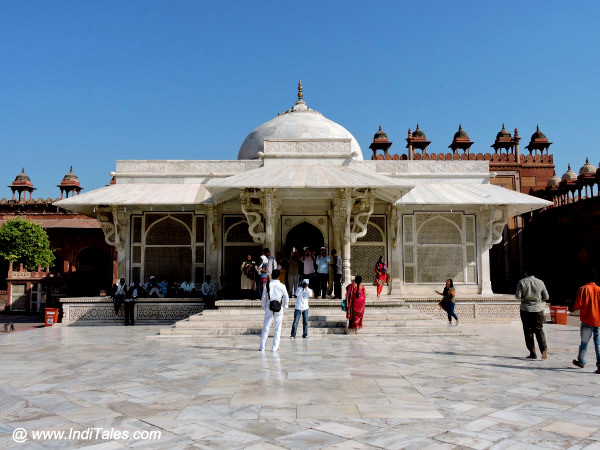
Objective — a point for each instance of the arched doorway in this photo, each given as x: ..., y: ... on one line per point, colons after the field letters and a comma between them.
x: 94, y: 273
x: 304, y: 235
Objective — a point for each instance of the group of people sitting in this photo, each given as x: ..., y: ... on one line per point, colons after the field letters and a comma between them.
x: 122, y: 294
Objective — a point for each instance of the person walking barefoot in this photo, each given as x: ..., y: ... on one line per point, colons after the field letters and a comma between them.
x: 449, y: 301
x: 533, y: 294
x: 356, y: 297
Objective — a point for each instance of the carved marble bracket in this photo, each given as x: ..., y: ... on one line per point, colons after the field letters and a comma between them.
x: 361, y: 220
x: 108, y: 228
x: 114, y: 227
x: 493, y: 227
x: 254, y: 218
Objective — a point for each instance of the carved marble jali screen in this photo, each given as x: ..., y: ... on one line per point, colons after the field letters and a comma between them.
x: 438, y: 246
x: 168, y: 246
x: 366, y: 251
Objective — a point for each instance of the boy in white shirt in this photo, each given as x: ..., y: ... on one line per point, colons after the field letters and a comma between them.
x: 303, y: 293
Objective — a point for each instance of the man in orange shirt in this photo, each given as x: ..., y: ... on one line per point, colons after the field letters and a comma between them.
x: 588, y: 302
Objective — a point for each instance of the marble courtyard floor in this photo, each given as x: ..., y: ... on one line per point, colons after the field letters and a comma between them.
x: 331, y: 391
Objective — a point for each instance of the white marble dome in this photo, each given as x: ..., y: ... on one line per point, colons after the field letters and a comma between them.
x: 299, y: 122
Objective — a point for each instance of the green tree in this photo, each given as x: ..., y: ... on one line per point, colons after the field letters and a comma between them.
x: 23, y: 241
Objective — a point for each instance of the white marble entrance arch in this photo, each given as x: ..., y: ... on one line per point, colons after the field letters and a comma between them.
x: 290, y: 222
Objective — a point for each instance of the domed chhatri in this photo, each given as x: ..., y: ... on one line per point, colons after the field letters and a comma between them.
x: 461, y: 134
x: 538, y: 135
x: 587, y: 168
x: 461, y: 141
x: 23, y: 178
x: 70, y: 178
x: 569, y: 175
x: 22, y: 184
x: 380, y: 136
x: 418, y: 133
x: 554, y: 181
x: 299, y: 122
x: 503, y: 133
x: 538, y: 143
x: 380, y: 142
x: 69, y: 184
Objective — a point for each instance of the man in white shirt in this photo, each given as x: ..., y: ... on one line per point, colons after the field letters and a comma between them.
x: 303, y: 293
x: 308, y: 261
x: 278, y: 292
x: 155, y: 291
x: 186, y: 288
x: 322, y: 275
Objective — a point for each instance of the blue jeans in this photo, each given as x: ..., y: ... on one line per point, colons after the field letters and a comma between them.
x: 297, y: 314
x: 450, y: 310
x: 586, y: 332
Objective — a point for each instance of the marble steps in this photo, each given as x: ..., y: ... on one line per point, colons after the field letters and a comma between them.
x: 399, y: 320
x: 209, y: 324
x: 377, y: 331
x: 319, y: 322
x: 313, y: 315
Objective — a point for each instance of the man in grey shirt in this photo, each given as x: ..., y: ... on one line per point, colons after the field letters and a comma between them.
x: 533, y: 295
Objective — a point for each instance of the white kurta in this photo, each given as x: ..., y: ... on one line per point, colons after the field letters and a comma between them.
x: 277, y: 291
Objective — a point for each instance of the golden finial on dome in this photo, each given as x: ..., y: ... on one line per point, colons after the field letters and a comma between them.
x: 300, y: 90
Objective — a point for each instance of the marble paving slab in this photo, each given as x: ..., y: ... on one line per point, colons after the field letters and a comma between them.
x: 332, y: 391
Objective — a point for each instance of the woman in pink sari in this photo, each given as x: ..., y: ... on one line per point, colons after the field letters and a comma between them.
x: 355, y: 304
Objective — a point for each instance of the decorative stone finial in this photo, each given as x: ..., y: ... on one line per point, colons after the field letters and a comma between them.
x: 516, y: 133
x: 538, y: 127
x: 300, y: 90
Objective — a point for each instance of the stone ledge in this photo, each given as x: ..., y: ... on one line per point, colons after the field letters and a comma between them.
x: 105, y: 300
x: 143, y: 312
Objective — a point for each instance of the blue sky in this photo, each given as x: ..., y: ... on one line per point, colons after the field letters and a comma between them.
x: 85, y: 83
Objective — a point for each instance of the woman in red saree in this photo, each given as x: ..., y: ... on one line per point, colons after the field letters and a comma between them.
x: 380, y: 274
x: 355, y: 304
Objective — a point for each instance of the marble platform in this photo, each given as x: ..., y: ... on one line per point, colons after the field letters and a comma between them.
x: 100, y: 310
x: 330, y: 391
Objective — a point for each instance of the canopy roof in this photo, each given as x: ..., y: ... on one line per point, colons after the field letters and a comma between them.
x: 137, y: 194
x: 309, y: 177
x: 461, y: 194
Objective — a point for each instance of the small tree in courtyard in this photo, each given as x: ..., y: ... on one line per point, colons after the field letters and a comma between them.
x: 23, y: 241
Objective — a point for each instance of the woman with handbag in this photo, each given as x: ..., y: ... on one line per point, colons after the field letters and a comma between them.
x: 356, y: 297
x: 380, y: 274
x: 448, y: 301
